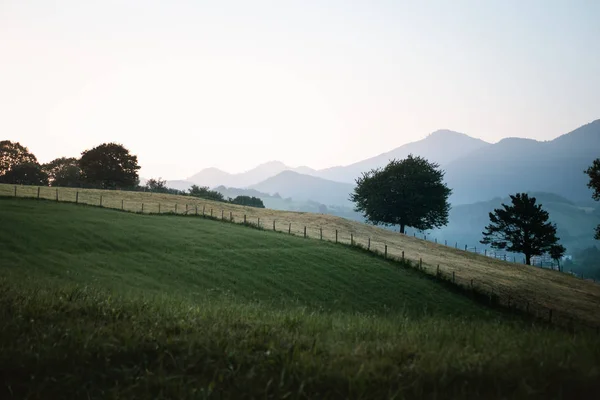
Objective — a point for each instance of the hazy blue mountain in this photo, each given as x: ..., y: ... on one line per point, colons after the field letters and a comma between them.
x: 521, y: 165
x: 305, y: 187
x: 442, y: 147
x: 213, y: 177
x: 575, y: 223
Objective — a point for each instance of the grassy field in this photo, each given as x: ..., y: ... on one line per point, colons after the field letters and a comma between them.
x: 96, y: 303
x: 541, y: 289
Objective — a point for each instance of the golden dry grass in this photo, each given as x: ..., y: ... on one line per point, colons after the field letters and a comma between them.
x: 523, y: 286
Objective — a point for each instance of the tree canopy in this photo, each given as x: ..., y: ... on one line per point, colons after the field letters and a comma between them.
x: 594, y: 173
x: 408, y: 192
x: 523, y: 227
x: 109, y: 166
x: 250, y: 201
x: 25, y: 174
x: 63, y: 172
x: 205, y: 193
x: 12, y: 154
x: 157, y: 185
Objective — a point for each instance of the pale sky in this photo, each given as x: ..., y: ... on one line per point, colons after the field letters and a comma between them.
x: 231, y: 84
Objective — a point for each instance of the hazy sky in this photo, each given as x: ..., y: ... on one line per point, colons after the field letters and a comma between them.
x: 191, y: 84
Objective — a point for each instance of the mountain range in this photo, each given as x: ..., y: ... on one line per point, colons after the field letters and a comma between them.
x: 475, y: 170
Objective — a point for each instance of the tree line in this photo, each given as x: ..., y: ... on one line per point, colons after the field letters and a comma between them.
x: 405, y: 193
x: 412, y: 193
x: 107, y: 166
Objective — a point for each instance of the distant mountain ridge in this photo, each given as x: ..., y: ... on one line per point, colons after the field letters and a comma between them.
x: 213, y: 177
x: 476, y: 170
x: 442, y: 147
x: 303, y: 187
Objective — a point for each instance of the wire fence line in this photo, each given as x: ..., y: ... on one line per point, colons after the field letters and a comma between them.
x: 494, y: 295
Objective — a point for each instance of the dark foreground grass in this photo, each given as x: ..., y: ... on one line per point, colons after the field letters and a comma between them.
x: 106, y: 305
x: 80, y: 343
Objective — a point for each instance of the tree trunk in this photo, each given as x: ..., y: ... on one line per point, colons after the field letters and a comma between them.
x: 402, y: 226
x: 527, y: 259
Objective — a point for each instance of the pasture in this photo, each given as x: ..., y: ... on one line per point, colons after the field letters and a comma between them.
x: 539, y: 289
x: 97, y: 303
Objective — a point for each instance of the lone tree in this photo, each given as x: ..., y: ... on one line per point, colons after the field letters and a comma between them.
x: 523, y: 227
x: 12, y: 154
x: 63, y: 172
x: 109, y: 166
x: 408, y: 192
x: 594, y: 173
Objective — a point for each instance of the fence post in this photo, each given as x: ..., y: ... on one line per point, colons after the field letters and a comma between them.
x: 38, y: 193
x: 321, y: 232
x: 244, y: 219
x: 465, y: 247
x: 385, y: 254
x: 514, y: 259
x: 196, y: 209
x: 445, y: 243
x: 336, y: 234
x: 456, y: 245
x: 304, y: 231
x: 175, y: 208
x: 435, y: 240
x: 258, y: 222
x: 56, y: 194
x: 186, y: 208
x: 505, y: 257
x: 123, y: 205
x: 485, y: 252
x: 15, y: 190
x: 222, y: 214
x: 142, y: 208
x: 273, y: 225
x: 437, y: 272
x: 77, y: 197
x: 100, y: 200
x: 230, y: 216
x: 290, y: 229
x: 420, y: 263
x: 369, y: 244
x: 414, y: 234
x: 402, y: 255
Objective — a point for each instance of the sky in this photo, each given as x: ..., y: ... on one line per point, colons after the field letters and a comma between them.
x: 187, y: 85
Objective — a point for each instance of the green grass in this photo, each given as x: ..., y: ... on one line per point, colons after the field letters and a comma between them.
x: 97, y: 303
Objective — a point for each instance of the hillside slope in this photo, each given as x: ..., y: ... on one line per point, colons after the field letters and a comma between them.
x: 541, y: 289
x: 196, y: 257
x: 96, y: 303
